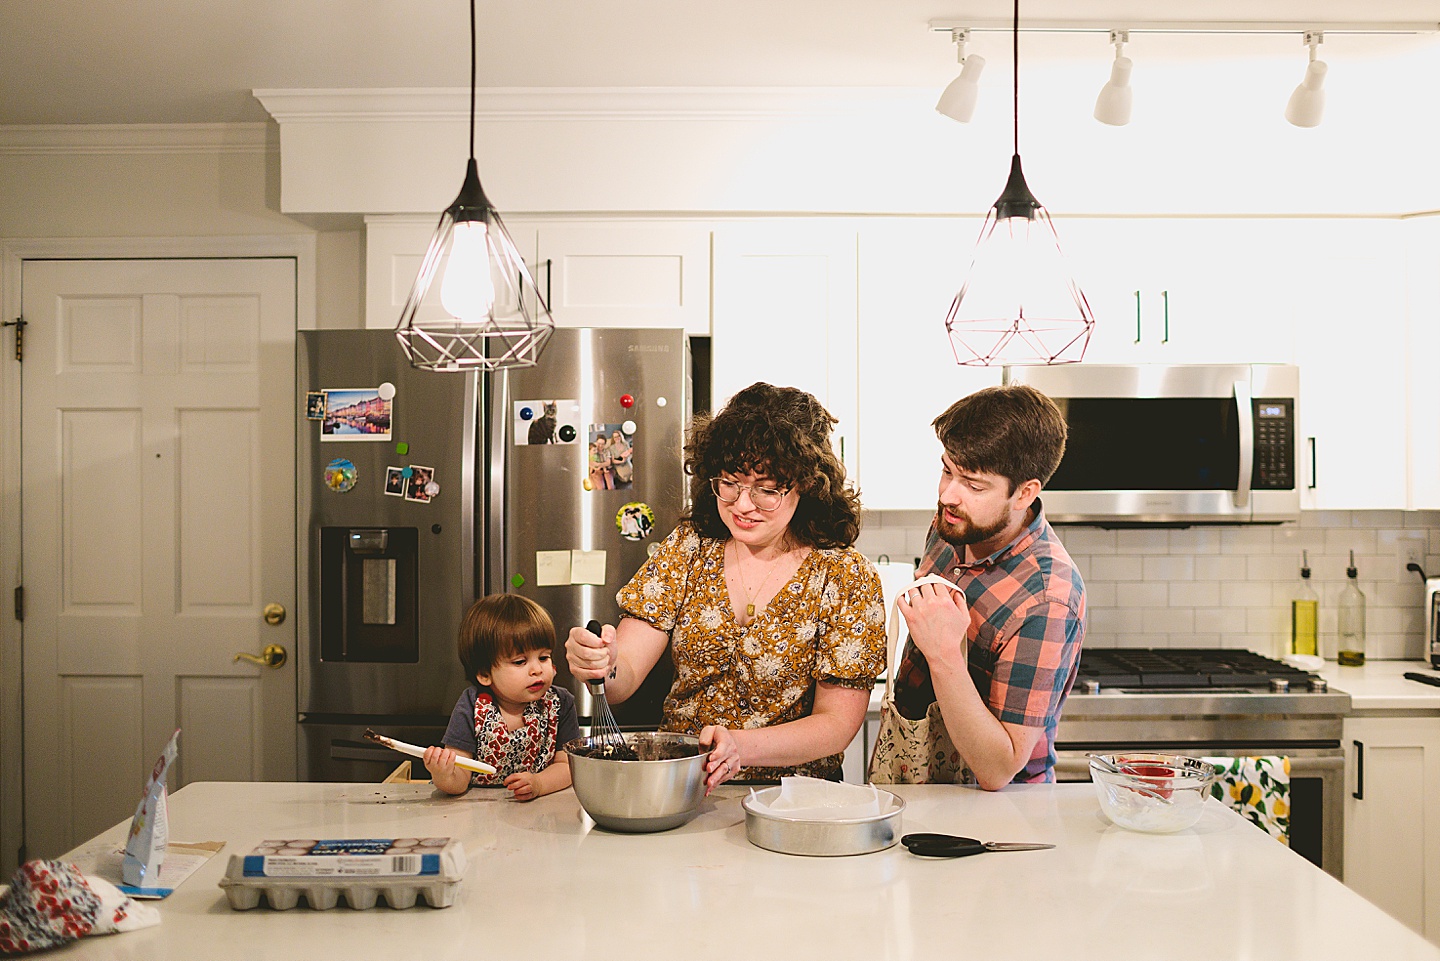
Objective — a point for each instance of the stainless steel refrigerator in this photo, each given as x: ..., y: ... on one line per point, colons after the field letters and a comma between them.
x: 586, y: 478
x: 386, y: 493
x: 419, y: 491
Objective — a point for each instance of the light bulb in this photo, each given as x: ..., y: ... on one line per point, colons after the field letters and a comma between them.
x: 467, y: 290
x: 958, y: 99
x: 1113, y: 104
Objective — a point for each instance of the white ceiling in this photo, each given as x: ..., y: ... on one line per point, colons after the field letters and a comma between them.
x: 197, y: 61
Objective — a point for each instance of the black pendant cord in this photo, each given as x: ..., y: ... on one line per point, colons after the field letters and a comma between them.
x: 472, y: 74
x: 1015, y: 68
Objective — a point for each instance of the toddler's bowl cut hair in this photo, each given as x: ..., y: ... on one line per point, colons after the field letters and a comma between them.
x: 784, y: 434
x: 499, y: 626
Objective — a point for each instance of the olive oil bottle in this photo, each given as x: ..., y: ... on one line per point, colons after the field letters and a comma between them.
x: 1304, y: 613
x: 1351, y: 620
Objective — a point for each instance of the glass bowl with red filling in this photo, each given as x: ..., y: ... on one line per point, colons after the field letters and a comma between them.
x: 1154, y: 793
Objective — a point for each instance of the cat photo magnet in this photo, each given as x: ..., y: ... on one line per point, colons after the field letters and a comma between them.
x: 546, y: 422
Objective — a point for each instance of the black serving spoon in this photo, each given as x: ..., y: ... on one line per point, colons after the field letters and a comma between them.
x: 950, y: 846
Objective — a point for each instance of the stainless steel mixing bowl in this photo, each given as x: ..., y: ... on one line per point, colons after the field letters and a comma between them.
x: 656, y: 793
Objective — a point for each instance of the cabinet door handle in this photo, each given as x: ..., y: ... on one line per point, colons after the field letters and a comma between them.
x: 1165, y: 301
x: 1137, y: 316
x: 1359, y: 792
x: 1312, y: 462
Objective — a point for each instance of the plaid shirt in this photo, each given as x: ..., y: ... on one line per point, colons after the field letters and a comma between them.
x: 1027, y: 619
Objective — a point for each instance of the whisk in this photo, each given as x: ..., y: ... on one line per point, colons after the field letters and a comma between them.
x: 604, y: 732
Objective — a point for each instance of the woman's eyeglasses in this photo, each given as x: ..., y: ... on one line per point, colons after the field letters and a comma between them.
x: 764, y: 498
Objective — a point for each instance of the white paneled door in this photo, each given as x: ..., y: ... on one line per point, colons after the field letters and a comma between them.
x: 159, y: 519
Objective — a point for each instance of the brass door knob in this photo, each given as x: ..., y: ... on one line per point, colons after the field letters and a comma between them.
x: 273, y: 656
x: 274, y: 613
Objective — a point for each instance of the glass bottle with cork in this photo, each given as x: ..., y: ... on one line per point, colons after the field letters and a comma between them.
x: 1351, y: 620
x: 1304, y: 613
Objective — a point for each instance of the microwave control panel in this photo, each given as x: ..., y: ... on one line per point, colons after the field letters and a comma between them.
x: 1274, y: 443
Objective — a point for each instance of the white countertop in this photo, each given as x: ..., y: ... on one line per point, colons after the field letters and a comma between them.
x: 544, y: 883
x: 1381, y: 686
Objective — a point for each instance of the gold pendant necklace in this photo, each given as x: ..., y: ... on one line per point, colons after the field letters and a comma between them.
x: 750, y: 598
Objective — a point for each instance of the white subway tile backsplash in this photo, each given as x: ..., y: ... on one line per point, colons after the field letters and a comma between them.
x: 1219, y: 568
x: 1344, y: 540
x: 1228, y: 586
x: 1195, y: 594
x: 1247, y: 540
x: 1245, y: 594
x: 1168, y: 568
x: 1142, y: 594
x: 1195, y: 540
x: 1118, y: 568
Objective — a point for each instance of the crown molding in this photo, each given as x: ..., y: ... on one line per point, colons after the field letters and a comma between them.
x: 576, y: 103
x: 147, y: 138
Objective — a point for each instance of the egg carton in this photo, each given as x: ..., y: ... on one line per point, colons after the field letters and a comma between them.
x: 362, y: 871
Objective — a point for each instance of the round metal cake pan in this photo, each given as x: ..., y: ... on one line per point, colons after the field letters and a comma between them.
x: 837, y: 838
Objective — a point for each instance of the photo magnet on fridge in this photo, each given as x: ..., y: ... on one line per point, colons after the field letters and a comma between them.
x: 418, y: 486
x: 546, y: 422
x: 355, y: 413
x: 315, y: 404
x: 395, y: 481
x: 612, y: 457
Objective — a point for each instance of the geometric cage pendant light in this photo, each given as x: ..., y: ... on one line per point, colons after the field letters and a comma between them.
x: 1019, y: 304
x: 497, y: 318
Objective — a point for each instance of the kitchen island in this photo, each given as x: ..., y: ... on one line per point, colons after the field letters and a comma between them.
x: 543, y: 882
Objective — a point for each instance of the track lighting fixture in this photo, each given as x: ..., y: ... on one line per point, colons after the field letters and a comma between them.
x: 957, y: 101
x: 1307, y: 103
x: 1116, y: 97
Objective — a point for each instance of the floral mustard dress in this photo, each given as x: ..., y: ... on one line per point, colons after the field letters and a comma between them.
x: 827, y: 623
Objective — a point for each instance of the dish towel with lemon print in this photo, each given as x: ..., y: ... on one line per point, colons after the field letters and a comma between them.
x: 1258, y: 788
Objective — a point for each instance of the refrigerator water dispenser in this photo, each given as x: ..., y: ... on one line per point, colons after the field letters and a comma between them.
x: 368, y: 605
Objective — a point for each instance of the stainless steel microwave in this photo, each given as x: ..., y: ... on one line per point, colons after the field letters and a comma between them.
x: 1173, y: 444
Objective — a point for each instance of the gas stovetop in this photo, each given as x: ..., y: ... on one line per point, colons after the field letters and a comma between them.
x: 1164, y: 669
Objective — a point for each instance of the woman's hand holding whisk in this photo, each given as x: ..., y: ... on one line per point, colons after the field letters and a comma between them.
x: 724, y: 760
x: 589, y: 655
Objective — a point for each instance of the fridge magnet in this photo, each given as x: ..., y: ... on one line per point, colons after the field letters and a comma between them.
x: 355, y: 413
x: 386, y: 391
x: 612, y: 457
x: 340, y: 475
x: 419, y: 480
x: 315, y: 404
x: 635, y: 521
x: 546, y: 422
x: 394, y: 482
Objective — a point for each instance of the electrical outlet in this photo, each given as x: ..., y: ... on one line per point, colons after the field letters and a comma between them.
x: 1408, y: 552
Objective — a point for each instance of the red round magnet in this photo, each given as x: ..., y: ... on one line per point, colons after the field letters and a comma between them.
x: 627, y: 401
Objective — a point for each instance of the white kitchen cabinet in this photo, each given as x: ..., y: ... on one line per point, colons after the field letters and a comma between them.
x: 1420, y: 237
x: 1392, y: 830
x: 909, y: 273
x: 1350, y: 341
x: 1185, y: 291
x: 784, y: 312
x: 394, y: 247
x: 627, y: 274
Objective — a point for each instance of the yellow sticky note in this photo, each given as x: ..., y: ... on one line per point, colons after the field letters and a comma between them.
x: 552, y: 568
x: 587, y: 567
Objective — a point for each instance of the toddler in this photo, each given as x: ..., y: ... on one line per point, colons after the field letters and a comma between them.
x: 512, y: 717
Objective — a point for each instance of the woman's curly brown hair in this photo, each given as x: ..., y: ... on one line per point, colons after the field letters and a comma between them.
x: 783, y: 433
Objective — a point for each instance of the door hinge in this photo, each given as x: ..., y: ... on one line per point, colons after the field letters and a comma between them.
x: 19, y: 323
x: 20, y: 603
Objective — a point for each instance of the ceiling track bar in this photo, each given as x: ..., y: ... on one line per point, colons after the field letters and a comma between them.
x: 1398, y: 27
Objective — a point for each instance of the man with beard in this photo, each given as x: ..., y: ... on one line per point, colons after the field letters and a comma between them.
x: 1023, y: 609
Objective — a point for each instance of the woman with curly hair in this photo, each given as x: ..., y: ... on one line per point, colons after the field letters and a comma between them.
x: 776, y: 624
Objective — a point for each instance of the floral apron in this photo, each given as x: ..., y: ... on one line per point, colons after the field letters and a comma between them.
x: 527, y: 748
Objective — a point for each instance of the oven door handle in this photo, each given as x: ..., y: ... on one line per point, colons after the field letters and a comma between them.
x: 1245, y: 418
